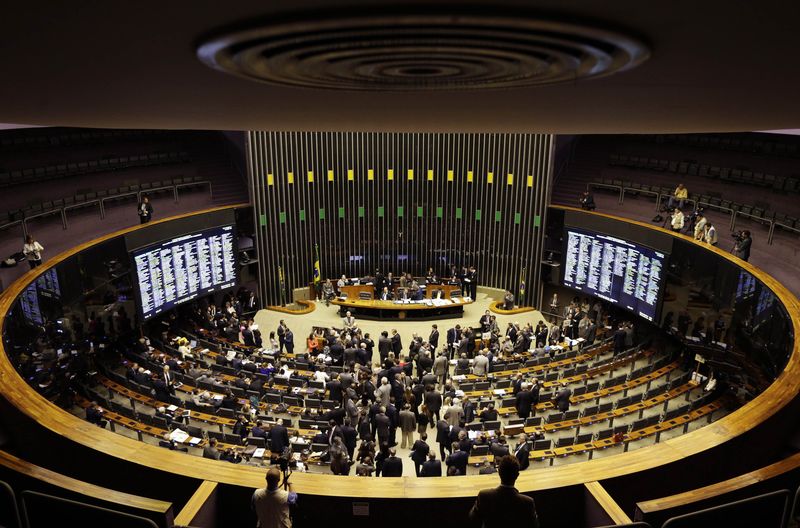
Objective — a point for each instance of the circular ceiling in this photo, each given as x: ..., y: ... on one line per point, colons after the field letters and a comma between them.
x: 421, y: 52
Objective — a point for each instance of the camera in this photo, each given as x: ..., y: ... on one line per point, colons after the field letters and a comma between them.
x: 738, y: 235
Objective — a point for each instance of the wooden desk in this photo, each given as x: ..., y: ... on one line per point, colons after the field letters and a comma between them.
x: 379, y: 310
x: 354, y: 292
x: 447, y: 289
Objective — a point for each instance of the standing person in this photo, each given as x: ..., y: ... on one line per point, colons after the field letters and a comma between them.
x: 145, y: 210
x: 504, y: 505
x: 419, y: 452
x: 408, y: 424
x: 711, y: 234
x: 433, y: 339
x: 700, y: 225
x: 742, y: 247
x: 33, y: 251
x: 271, y: 504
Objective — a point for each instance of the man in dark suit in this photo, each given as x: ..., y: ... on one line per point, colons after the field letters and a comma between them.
x: 350, y: 437
x: 392, y: 466
x: 433, y: 401
x: 419, y: 452
x: 397, y: 343
x: 443, y: 437
x: 524, y: 401
x: 504, y: 506
x: 433, y: 339
x: 452, y: 339
x: 457, y: 459
x: 523, y: 453
x: 279, y: 438
x: 384, y: 346
x: 619, y: 340
x: 561, y: 399
x: 431, y: 467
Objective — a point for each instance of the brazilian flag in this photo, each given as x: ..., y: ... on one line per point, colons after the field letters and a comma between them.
x: 317, y: 271
x: 522, y: 286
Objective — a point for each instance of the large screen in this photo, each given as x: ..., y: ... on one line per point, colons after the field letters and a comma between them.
x: 184, y: 268
x: 621, y: 272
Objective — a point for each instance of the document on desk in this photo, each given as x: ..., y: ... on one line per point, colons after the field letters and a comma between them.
x: 193, y: 441
x: 499, y: 392
x: 172, y: 408
x: 259, y: 452
x: 179, y: 436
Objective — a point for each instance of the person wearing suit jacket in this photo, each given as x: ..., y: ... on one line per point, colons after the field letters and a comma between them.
x: 524, y: 402
x: 433, y: 402
x: 523, y: 453
x: 504, y: 505
x: 443, y: 437
x: 433, y: 339
x: 145, y: 210
x: 279, y: 438
x: 384, y: 346
x: 386, y: 295
x: 392, y: 466
x: 453, y: 335
x: 457, y: 459
x: 431, y: 467
x: 419, y: 452
x: 397, y: 343
x: 561, y: 399
x: 440, y: 368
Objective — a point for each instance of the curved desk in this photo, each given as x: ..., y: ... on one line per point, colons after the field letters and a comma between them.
x: 379, y: 310
x: 684, y: 454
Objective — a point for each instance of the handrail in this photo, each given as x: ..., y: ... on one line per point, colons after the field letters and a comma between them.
x: 775, y: 397
x: 9, y: 461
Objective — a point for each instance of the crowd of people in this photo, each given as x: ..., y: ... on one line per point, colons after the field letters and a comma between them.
x: 387, y: 287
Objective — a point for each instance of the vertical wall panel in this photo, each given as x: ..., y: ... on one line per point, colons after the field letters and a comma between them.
x: 358, y: 245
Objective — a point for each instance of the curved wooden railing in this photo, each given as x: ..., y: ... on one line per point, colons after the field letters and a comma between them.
x: 307, y: 308
x: 765, y: 405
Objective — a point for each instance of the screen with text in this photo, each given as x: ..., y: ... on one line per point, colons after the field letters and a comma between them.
x: 184, y: 268
x: 623, y: 273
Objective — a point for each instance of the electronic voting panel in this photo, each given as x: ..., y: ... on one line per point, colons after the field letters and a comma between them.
x: 184, y: 268
x: 624, y: 273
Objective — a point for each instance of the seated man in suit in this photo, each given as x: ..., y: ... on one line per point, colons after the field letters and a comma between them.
x: 504, y: 505
x: 386, y: 295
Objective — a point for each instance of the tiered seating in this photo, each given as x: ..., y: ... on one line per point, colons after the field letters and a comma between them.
x: 104, y: 164
x: 99, y: 198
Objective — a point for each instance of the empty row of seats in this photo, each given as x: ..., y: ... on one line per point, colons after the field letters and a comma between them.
x: 37, y: 139
x: 725, y: 174
x: 50, y: 172
x: 727, y: 142
x: 87, y: 199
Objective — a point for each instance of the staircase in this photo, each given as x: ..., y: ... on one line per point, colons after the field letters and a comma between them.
x: 214, y: 164
x: 582, y: 169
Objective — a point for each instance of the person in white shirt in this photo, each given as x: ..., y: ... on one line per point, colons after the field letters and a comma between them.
x: 342, y: 282
x: 700, y: 226
x: 321, y: 375
x: 677, y: 220
x: 33, y: 251
x: 711, y: 234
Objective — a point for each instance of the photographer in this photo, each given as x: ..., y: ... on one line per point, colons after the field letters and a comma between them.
x: 271, y: 504
x: 741, y: 248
